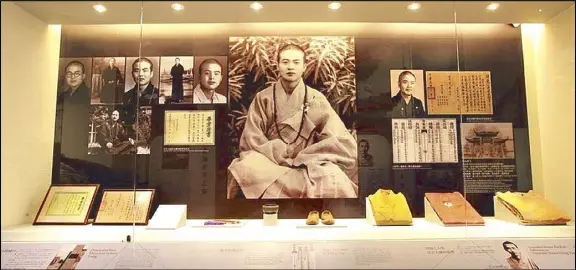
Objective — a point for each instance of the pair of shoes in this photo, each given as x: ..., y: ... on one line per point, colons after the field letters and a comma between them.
x: 314, y: 216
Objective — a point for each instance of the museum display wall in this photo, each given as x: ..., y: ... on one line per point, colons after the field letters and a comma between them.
x: 359, y: 77
x: 278, y: 143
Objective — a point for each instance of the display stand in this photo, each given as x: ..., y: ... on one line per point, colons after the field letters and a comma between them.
x: 370, y: 216
x: 168, y: 217
x: 431, y: 216
x: 369, y: 213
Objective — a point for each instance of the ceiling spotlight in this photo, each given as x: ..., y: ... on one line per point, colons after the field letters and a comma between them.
x: 334, y: 6
x: 256, y: 6
x: 540, y: 10
x: 99, y: 8
x: 414, y: 6
x: 177, y: 6
x: 492, y: 6
x: 515, y: 25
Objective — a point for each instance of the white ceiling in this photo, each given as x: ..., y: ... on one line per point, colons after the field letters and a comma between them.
x: 124, y: 12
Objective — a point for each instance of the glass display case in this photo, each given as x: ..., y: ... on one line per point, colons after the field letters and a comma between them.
x: 280, y: 134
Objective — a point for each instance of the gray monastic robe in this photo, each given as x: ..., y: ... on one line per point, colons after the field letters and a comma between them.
x: 322, y: 163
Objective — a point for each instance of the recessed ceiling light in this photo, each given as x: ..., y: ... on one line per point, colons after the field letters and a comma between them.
x: 414, y: 6
x: 256, y: 6
x: 492, y: 6
x: 177, y: 6
x: 100, y: 8
x: 334, y: 6
x: 539, y: 10
x: 515, y: 25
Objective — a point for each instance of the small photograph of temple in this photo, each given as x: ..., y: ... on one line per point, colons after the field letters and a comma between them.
x: 487, y: 140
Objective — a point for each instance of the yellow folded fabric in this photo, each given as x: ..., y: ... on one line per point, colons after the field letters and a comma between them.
x: 532, y: 208
x: 390, y: 208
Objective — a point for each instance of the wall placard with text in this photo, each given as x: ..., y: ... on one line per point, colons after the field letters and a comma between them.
x: 189, y: 128
x: 423, y: 140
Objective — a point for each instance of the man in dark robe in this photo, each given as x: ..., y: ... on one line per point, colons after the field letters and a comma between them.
x: 72, y: 111
x: 111, y: 77
x: 405, y: 105
x: 177, y: 72
x: 115, y: 136
x: 143, y: 91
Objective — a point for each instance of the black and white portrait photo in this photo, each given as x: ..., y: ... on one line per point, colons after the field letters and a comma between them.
x: 365, y: 159
x: 177, y: 78
x: 109, y: 132
x: 73, y: 100
x: 74, y: 78
x: 290, y: 102
x: 210, y: 80
x: 407, y: 90
x: 142, y: 82
x: 107, y: 80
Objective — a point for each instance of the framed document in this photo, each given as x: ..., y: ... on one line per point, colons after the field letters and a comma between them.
x: 66, y: 204
x: 185, y: 128
x: 125, y: 207
x: 459, y: 92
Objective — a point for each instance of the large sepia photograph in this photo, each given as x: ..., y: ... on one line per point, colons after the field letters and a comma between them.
x: 290, y: 124
x: 487, y: 141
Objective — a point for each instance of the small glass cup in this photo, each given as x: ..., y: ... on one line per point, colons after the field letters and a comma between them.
x: 270, y: 214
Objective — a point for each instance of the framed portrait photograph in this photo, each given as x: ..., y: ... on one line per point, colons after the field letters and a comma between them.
x: 407, y: 93
x: 107, y: 80
x: 177, y: 78
x: 210, y: 83
x: 125, y: 207
x: 142, y: 80
x: 66, y: 204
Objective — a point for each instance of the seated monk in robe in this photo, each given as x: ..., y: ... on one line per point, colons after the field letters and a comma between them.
x: 294, y: 145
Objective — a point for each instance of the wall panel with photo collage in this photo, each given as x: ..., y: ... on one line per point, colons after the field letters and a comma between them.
x: 225, y: 122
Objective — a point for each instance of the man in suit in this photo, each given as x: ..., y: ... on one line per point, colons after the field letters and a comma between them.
x: 111, y: 77
x: 177, y: 72
x: 405, y: 105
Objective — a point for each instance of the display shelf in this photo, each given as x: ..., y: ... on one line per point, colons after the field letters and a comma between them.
x: 287, y: 230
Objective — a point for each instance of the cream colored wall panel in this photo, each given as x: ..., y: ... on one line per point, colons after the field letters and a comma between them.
x: 30, y: 52
x: 549, y: 71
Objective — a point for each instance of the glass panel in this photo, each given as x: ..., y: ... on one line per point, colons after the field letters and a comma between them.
x: 95, y: 139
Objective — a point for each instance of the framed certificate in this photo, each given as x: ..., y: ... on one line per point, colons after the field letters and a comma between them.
x: 189, y: 128
x: 125, y: 207
x: 66, y: 204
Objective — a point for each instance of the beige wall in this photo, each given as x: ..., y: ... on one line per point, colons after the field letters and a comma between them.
x: 549, y: 67
x: 30, y: 51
